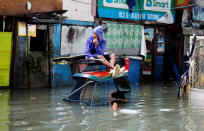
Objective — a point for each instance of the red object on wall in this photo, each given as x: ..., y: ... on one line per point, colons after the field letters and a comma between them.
x: 127, y: 66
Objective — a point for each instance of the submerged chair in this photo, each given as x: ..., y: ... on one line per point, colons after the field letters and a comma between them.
x: 90, y: 73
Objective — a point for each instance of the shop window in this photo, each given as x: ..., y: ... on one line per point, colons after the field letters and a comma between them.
x: 39, y: 42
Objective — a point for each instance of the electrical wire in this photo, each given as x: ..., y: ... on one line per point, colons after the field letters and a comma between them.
x: 181, y: 7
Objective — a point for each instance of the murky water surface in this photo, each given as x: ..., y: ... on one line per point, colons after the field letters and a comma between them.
x: 151, y: 107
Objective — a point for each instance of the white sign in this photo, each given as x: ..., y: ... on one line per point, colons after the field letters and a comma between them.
x: 157, y: 5
x: 167, y: 18
x: 201, y: 2
x: 115, y: 4
x: 31, y: 29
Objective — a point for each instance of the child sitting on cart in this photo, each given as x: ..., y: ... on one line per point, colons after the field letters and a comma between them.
x: 95, y: 47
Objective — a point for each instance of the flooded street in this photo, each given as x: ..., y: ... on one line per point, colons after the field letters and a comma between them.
x: 151, y: 107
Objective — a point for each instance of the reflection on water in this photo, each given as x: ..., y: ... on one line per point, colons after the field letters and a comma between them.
x: 151, y: 107
x: 4, y: 110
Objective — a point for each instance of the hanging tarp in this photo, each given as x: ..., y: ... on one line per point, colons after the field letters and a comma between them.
x: 147, y: 10
x: 5, y: 57
x: 124, y: 38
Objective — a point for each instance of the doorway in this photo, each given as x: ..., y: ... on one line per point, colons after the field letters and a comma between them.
x: 38, y: 58
x: 152, y: 66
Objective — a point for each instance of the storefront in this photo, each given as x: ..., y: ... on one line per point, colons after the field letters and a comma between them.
x: 26, y: 29
x: 31, y: 51
x: 155, y: 41
x: 34, y: 49
x: 131, y: 27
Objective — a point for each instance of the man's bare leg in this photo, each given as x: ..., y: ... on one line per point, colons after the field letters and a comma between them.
x: 105, y: 62
x: 113, y: 70
x: 112, y: 59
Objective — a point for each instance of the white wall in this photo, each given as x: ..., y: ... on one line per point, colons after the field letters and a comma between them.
x: 77, y: 10
x: 73, y: 39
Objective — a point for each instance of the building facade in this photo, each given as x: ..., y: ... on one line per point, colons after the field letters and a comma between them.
x: 60, y: 28
x: 28, y: 27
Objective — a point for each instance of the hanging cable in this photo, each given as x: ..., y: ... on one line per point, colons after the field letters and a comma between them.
x: 190, y: 5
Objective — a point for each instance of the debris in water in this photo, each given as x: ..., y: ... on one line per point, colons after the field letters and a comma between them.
x: 166, y: 110
x: 115, y: 106
x: 33, y: 98
x: 128, y: 111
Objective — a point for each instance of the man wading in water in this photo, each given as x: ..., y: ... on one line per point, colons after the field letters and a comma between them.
x: 95, y: 47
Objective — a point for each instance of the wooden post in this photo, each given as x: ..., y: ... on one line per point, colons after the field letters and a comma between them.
x: 201, y: 64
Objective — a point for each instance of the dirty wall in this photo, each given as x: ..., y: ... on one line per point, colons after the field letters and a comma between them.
x: 73, y: 39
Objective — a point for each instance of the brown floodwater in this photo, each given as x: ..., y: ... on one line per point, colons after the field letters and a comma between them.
x: 151, y: 107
